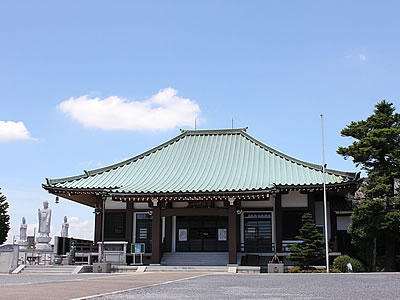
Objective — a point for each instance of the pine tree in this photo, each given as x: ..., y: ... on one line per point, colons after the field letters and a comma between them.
x: 4, y: 218
x: 310, y: 249
x: 376, y: 148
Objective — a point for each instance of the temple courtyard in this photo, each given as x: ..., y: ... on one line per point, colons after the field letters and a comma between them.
x: 186, y: 285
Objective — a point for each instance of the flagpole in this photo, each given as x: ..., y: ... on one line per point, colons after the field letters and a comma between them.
x: 325, y: 204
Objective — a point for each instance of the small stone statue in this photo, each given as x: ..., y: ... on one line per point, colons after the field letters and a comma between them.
x: 22, y: 230
x: 65, y: 227
x: 23, y: 239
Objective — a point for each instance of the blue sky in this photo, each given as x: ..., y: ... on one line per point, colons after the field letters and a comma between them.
x: 273, y: 66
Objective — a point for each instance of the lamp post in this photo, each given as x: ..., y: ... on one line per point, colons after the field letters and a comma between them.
x: 325, y: 204
x: 103, y: 212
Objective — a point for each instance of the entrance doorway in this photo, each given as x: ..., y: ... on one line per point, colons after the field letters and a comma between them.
x: 257, y: 232
x: 202, y: 234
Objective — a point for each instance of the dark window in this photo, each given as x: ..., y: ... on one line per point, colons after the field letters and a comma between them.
x: 257, y: 232
x: 114, y: 226
x: 144, y: 230
x: 291, y: 224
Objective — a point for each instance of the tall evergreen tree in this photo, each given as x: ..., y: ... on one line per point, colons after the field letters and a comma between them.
x: 310, y: 249
x: 376, y: 148
x: 4, y: 218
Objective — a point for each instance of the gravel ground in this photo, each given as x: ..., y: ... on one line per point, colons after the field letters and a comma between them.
x: 273, y: 286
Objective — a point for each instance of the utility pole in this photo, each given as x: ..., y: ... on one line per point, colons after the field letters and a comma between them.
x: 325, y: 204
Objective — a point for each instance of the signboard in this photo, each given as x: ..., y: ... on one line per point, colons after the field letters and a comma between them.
x: 138, y: 248
x: 182, y: 235
x: 222, y: 234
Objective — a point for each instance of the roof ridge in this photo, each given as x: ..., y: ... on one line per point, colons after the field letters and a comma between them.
x: 214, y: 131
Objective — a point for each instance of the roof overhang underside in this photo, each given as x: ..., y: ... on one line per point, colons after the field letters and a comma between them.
x: 91, y: 197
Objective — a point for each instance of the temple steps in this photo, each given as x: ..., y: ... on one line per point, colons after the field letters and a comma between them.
x: 48, y: 269
x: 201, y: 269
x: 195, y: 259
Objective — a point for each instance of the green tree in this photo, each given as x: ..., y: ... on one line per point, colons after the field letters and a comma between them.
x: 4, y: 218
x: 310, y: 249
x: 376, y: 149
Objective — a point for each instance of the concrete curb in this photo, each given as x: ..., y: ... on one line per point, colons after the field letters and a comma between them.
x: 83, y: 269
x: 18, y: 269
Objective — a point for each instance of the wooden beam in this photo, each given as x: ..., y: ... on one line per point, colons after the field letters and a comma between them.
x: 194, y: 212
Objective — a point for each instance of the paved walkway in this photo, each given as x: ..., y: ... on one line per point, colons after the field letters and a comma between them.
x: 66, y: 287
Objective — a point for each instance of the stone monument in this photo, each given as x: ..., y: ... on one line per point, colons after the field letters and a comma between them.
x: 23, y: 240
x: 65, y: 227
x: 43, y: 238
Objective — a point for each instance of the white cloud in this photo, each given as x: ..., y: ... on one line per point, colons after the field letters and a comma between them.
x: 80, y: 230
x: 12, y: 131
x: 363, y: 57
x: 164, y: 110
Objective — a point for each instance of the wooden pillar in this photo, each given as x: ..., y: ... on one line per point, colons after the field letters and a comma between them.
x: 232, y: 232
x: 311, y: 204
x: 97, y: 221
x: 156, y: 233
x: 97, y: 228
x: 278, y: 222
x: 129, y: 222
x: 333, y: 227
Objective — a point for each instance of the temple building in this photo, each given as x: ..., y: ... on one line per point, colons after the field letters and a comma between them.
x: 211, y: 191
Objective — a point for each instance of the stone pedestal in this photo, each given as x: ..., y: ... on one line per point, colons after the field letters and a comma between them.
x: 102, y: 267
x: 23, y: 245
x: 275, y: 268
x: 42, y: 243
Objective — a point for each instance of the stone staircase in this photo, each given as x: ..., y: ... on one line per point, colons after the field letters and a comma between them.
x: 195, y: 259
x: 193, y: 269
x: 47, y: 269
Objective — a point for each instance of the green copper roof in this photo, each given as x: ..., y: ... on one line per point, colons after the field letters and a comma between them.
x: 204, y: 161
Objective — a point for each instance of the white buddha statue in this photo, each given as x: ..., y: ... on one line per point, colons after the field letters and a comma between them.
x: 65, y: 227
x: 44, y: 218
x: 43, y: 239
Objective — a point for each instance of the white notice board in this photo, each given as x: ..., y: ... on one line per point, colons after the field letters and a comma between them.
x: 222, y: 234
x: 182, y: 235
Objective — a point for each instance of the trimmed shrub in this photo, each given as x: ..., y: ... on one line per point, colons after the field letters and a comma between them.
x: 334, y: 270
x: 294, y: 270
x: 357, y: 265
x: 341, y: 262
x: 316, y: 271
